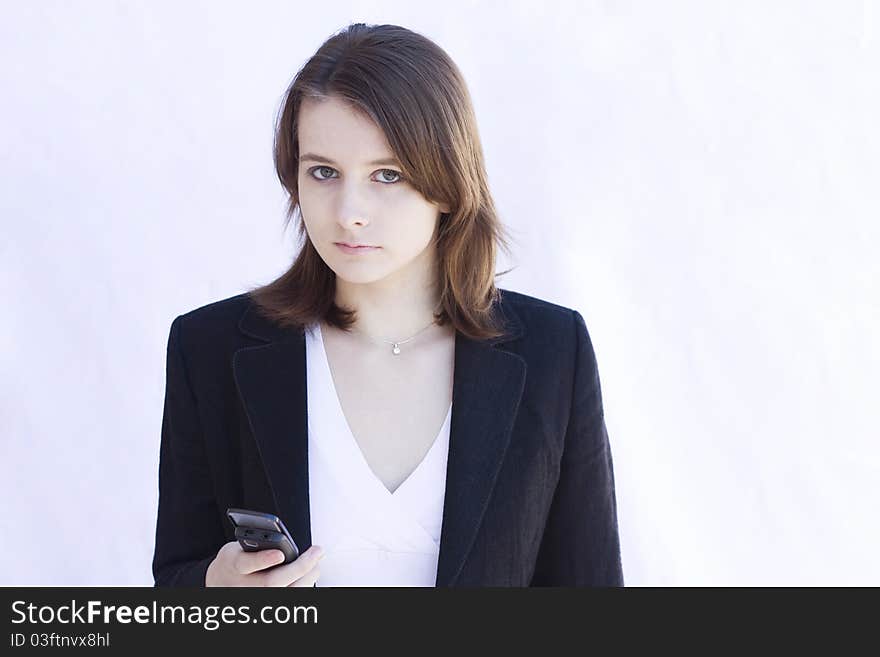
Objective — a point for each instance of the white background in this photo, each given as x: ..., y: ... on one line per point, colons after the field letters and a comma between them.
x: 700, y: 179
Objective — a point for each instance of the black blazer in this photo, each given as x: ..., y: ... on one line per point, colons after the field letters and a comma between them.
x: 530, y: 495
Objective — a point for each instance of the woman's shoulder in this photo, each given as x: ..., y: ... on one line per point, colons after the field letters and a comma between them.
x: 537, y: 313
x: 524, y: 301
x: 229, y: 308
x: 545, y: 326
x: 215, y: 324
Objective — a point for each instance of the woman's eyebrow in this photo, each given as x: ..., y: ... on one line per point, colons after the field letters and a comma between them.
x: 313, y: 157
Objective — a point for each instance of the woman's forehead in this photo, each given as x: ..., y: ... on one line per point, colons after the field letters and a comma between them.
x: 331, y: 130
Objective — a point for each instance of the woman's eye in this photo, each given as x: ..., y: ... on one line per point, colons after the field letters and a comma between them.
x: 392, y: 172
x: 323, y: 170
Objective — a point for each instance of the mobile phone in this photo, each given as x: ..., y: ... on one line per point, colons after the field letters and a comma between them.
x: 256, y: 531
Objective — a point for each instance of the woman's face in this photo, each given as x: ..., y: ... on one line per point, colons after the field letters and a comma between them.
x: 351, y: 190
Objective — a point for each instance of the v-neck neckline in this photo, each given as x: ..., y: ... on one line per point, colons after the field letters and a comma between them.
x: 352, y: 441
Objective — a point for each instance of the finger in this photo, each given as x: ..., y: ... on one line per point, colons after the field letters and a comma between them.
x: 251, y: 562
x: 284, y: 575
x: 310, y: 578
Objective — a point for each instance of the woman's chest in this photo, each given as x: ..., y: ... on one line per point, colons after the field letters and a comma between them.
x: 394, y: 407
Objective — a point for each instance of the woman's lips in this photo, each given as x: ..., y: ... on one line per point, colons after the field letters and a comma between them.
x: 356, y: 250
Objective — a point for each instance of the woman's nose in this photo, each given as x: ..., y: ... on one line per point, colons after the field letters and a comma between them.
x: 352, y: 206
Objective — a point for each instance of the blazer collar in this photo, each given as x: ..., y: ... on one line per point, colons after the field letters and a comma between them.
x: 488, y: 383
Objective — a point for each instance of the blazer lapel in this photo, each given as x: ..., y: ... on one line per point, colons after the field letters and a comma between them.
x: 487, y: 387
x: 271, y: 381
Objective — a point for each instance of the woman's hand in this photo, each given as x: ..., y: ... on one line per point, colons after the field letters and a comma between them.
x: 234, y: 567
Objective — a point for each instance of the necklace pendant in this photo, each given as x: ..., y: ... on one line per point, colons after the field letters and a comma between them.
x: 395, y: 350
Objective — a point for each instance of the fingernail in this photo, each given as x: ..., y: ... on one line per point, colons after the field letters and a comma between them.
x: 319, y: 552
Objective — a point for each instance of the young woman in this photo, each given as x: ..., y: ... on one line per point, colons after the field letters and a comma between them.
x: 409, y: 422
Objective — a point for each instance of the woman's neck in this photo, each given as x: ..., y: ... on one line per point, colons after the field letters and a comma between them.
x: 397, y: 306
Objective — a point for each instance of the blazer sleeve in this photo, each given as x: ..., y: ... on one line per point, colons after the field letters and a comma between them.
x: 580, y: 545
x: 188, y: 527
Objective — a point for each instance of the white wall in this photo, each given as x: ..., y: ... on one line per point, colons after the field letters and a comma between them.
x: 699, y: 179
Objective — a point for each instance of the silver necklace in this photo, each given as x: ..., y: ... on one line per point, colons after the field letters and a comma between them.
x: 395, y: 344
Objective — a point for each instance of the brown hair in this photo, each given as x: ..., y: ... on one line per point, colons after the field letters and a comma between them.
x: 415, y: 93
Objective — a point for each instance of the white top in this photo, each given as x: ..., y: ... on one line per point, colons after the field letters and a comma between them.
x: 371, y: 537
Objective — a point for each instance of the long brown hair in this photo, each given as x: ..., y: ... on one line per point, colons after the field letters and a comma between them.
x: 415, y: 93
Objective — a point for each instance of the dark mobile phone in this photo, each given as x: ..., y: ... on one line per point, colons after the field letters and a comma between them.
x: 262, y: 531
